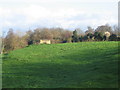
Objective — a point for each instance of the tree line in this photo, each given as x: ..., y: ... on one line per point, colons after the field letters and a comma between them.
x: 15, y: 40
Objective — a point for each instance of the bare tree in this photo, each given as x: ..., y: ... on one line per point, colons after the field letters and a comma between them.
x: 2, y: 42
x: 116, y: 30
x: 104, y: 28
x: 9, y: 40
x: 66, y: 36
x: 90, y: 30
x: 46, y: 34
x: 80, y: 32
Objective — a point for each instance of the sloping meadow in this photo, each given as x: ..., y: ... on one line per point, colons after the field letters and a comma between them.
x: 69, y: 65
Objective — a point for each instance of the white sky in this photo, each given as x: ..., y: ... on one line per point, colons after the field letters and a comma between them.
x: 68, y: 14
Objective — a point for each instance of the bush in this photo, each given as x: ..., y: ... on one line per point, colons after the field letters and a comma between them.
x: 113, y: 37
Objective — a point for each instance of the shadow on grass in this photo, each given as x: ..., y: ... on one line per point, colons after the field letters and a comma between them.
x: 99, y: 71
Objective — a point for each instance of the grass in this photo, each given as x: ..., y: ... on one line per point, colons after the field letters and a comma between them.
x: 69, y: 65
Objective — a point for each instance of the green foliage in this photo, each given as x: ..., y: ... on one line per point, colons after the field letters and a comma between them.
x: 81, y: 38
x: 113, y: 37
x: 90, y: 35
x: 69, y: 65
x: 85, y: 37
x: 99, y: 36
x: 75, y: 36
x: 14, y: 41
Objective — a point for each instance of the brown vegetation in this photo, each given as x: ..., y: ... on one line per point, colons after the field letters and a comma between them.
x: 14, y: 40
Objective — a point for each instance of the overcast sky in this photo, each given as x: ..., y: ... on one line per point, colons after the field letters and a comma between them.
x: 68, y: 14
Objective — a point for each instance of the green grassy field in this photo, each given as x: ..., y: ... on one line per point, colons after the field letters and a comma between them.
x: 69, y: 65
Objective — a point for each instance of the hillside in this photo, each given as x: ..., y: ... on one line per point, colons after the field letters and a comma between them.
x: 71, y: 65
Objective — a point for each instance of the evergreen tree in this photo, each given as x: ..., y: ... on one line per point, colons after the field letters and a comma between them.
x: 75, y: 36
